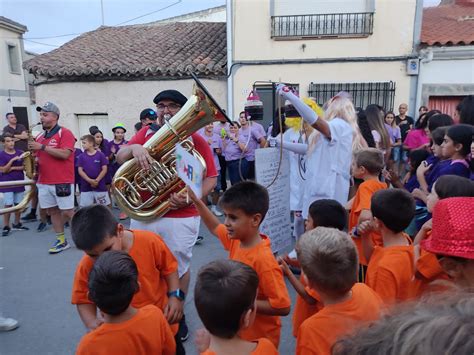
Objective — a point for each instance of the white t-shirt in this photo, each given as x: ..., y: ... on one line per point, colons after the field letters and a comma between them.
x: 328, y: 169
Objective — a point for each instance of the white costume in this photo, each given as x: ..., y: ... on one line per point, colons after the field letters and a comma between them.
x: 297, y: 170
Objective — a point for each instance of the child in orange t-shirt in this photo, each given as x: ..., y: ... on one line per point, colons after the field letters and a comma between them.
x: 245, y: 205
x: 225, y: 298
x: 428, y: 268
x: 367, y: 165
x: 94, y: 230
x: 322, y: 213
x: 391, y: 269
x: 113, y: 281
x: 329, y: 261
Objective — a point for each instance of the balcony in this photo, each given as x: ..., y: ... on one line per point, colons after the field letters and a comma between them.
x: 345, y: 25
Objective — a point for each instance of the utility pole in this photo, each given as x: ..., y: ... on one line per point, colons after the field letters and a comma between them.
x: 102, y: 10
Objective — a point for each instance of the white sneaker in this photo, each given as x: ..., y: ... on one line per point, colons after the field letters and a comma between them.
x: 7, y: 324
x: 216, y: 211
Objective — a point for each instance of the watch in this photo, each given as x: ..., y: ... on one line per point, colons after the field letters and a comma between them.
x: 178, y: 294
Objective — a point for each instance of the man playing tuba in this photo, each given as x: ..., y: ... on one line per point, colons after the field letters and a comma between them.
x: 179, y: 228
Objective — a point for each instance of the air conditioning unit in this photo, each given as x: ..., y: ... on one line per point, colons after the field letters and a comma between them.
x: 413, y: 66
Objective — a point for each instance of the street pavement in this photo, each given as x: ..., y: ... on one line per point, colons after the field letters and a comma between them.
x: 35, y: 289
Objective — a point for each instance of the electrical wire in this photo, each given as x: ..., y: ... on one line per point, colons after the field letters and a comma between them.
x: 43, y: 44
x: 150, y: 13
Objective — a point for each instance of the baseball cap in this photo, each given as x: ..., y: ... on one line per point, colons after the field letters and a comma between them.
x: 172, y: 95
x: 148, y: 113
x: 119, y: 125
x: 48, y: 107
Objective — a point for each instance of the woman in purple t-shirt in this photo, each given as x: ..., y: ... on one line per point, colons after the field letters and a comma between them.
x: 233, y: 149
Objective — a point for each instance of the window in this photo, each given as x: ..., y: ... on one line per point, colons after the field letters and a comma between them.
x: 363, y: 94
x: 323, y: 25
x: 295, y: 19
x: 14, y: 59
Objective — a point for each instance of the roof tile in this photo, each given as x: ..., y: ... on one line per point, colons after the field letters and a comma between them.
x: 163, y: 50
x: 448, y: 25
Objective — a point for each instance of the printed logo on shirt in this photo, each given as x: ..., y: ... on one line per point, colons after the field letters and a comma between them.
x: 53, y: 142
x: 97, y: 161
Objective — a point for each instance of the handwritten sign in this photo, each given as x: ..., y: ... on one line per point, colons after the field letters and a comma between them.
x: 277, y: 223
x: 189, y: 169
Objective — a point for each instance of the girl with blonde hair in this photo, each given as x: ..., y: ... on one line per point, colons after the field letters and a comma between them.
x: 329, y: 156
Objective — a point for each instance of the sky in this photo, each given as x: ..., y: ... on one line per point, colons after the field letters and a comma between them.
x: 68, y: 18
x: 52, y: 23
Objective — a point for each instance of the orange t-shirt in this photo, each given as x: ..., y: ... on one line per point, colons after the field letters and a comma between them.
x: 303, y: 310
x: 429, y: 270
x: 154, y: 261
x: 146, y: 333
x: 391, y: 273
x: 264, y: 347
x: 318, y: 333
x: 271, y: 287
x: 362, y: 202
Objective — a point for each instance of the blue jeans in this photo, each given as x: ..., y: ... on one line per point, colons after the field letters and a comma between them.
x: 236, y: 168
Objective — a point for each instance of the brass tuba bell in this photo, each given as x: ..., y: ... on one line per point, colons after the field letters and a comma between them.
x: 144, y: 195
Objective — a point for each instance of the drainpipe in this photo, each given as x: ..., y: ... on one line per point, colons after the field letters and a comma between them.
x: 426, y: 56
x: 230, y: 53
x: 415, y: 82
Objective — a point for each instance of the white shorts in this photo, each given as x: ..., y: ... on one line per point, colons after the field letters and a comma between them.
x: 94, y: 197
x: 12, y: 198
x: 48, y: 199
x: 179, y: 234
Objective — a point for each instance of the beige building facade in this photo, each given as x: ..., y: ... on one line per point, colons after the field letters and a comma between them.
x: 316, y: 44
x: 14, y: 91
x: 106, y: 103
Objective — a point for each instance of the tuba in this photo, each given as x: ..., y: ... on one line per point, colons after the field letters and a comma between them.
x: 144, y: 195
x: 29, y: 167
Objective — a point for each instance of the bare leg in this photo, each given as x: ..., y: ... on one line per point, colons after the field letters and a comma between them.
x: 184, y: 281
x: 6, y: 218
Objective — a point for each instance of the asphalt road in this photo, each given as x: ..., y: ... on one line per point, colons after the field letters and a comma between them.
x: 35, y: 289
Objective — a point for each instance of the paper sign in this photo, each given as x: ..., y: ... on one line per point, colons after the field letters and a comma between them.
x: 189, y: 169
x: 277, y: 223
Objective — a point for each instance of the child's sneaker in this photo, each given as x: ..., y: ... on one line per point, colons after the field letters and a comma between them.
x: 6, y: 231
x: 20, y: 227
x: 59, y: 247
x: 41, y: 227
x: 30, y: 217
x: 7, y: 324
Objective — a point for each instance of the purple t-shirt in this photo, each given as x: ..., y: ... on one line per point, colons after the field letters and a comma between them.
x: 92, y: 166
x: 393, y: 132
x: 12, y: 175
x: 231, y: 150
x: 77, y: 177
x: 251, y: 137
x: 215, y: 142
x: 448, y: 167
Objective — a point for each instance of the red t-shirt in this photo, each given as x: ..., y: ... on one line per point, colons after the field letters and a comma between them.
x: 53, y: 170
x: 201, y: 147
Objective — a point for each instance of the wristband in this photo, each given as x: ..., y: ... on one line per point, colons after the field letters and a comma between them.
x: 180, y: 295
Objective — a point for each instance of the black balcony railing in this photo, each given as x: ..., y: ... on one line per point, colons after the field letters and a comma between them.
x: 323, y: 25
x: 363, y: 94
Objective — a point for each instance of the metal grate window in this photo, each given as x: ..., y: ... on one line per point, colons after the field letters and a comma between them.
x: 363, y: 94
x: 323, y: 25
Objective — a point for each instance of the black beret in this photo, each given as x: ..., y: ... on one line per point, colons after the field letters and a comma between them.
x: 172, y: 95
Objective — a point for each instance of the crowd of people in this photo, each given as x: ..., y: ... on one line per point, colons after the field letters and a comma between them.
x: 382, y: 212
